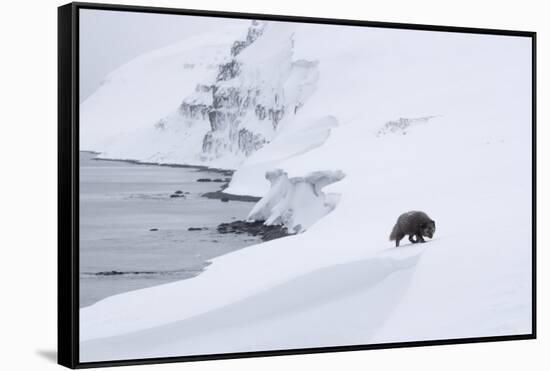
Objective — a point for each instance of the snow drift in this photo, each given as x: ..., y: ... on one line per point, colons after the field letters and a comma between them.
x: 297, y: 202
x: 415, y: 120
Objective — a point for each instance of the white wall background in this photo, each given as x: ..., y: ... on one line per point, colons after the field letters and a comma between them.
x: 28, y: 152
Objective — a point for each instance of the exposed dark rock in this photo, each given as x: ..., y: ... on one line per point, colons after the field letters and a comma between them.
x: 249, y: 142
x: 194, y: 111
x: 178, y: 192
x: 119, y: 273
x: 228, y: 70
x: 237, y: 47
x: 254, y: 31
x: 109, y: 273
x: 177, y: 195
x: 224, y: 199
x: 218, y: 180
x: 219, y: 120
x: 218, y: 195
x: 226, y: 97
x: 154, y: 229
x: 208, y: 142
x: 401, y: 125
x: 256, y: 228
x: 204, y: 180
x: 276, y: 115
x: 194, y: 229
x: 260, y: 111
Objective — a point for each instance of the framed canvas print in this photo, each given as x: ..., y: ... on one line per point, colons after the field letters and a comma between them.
x: 236, y: 185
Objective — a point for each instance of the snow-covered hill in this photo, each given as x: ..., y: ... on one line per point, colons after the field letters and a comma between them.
x: 339, y: 129
x: 228, y: 100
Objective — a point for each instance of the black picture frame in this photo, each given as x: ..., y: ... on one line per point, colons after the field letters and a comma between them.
x: 68, y: 182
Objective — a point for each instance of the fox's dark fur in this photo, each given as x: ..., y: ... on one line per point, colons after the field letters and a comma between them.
x: 416, y: 224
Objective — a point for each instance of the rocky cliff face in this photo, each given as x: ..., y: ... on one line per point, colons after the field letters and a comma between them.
x: 257, y: 88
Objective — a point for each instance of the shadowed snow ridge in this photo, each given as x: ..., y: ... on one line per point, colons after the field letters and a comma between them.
x: 306, y: 300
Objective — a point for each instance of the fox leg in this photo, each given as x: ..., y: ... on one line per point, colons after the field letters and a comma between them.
x: 397, y: 239
x: 419, y: 238
x: 411, y: 238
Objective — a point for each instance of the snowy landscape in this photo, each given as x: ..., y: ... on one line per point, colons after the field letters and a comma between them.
x: 333, y: 131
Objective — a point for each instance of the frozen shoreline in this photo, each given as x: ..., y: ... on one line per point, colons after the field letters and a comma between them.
x: 144, y: 216
x: 216, y: 195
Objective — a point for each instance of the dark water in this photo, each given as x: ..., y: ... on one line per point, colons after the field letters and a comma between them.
x: 121, y: 202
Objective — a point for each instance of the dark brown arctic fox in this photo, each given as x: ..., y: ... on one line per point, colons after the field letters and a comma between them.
x: 414, y: 223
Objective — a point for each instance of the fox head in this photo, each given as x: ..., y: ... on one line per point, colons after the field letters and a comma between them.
x: 428, y: 229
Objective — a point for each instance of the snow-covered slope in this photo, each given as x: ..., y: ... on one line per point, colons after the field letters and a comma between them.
x: 140, y: 93
x: 390, y: 121
x: 230, y: 97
